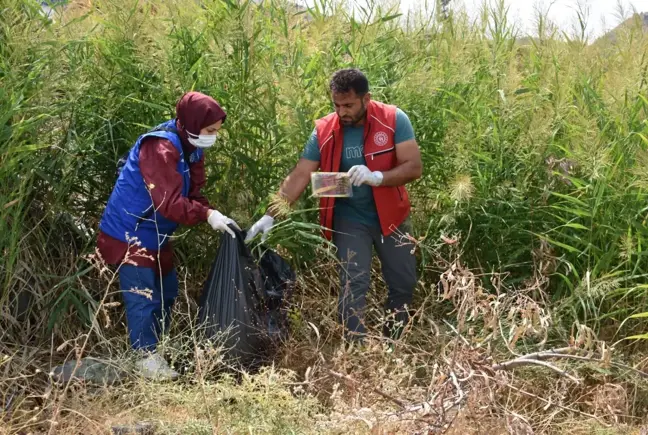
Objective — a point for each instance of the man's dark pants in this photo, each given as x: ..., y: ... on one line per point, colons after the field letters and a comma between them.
x: 355, y: 242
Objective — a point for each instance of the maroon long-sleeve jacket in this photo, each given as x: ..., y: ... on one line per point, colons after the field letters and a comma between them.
x: 158, y: 162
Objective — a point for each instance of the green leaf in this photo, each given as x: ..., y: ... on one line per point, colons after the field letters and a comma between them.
x: 574, y: 211
x: 557, y: 243
x: 599, y: 369
x: 637, y: 337
x: 576, y: 226
x: 390, y: 17
x: 569, y: 198
x: 634, y: 316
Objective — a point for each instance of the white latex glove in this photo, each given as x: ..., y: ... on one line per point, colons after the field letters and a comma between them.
x: 219, y: 222
x: 360, y: 174
x: 262, y: 225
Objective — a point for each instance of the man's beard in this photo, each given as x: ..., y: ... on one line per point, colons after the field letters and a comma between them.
x: 356, y: 120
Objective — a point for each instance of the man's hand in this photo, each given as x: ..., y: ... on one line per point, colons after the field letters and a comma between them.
x: 262, y: 225
x: 360, y: 174
x: 220, y: 222
x: 296, y: 182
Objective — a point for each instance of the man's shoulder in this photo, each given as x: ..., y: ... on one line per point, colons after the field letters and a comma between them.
x: 325, y: 125
x: 401, y: 115
x: 404, y: 130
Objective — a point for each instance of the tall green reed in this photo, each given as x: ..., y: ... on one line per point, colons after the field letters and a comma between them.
x: 533, y: 149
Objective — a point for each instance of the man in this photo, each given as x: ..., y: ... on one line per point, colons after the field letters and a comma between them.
x: 375, y: 144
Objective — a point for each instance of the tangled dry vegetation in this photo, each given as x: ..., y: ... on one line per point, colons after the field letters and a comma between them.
x: 474, y: 378
x: 494, y: 372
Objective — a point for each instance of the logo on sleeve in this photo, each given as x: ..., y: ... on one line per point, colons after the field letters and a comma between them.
x: 381, y: 138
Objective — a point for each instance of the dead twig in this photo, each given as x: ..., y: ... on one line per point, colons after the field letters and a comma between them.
x: 395, y: 400
x: 539, y: 355
x: 524, y: 362
x: 457, y: 332
x: 550, y: 355
x: 557, y: 405
x: 457, y: 386
x: 563, y: 353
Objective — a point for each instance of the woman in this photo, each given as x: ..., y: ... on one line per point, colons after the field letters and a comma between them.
x: 158, y: 189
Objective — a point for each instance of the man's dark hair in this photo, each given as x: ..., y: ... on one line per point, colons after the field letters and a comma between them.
x: 349, y: 79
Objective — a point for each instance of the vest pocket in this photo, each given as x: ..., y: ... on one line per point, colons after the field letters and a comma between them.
x: 379, y: 153
x: 382, y: 160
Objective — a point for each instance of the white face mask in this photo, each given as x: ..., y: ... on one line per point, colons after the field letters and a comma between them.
x: 202, y: 140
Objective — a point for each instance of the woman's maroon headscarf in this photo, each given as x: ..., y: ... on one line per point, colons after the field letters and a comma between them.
x: 196, y: 111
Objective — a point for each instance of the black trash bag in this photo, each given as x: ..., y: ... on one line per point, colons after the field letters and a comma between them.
x: 244, y: 299
x: 278, y: 283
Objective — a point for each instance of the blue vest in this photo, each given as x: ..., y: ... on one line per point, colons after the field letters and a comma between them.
x: 130, y: 212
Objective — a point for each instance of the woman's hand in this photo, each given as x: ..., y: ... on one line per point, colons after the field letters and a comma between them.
x: 220, y: 222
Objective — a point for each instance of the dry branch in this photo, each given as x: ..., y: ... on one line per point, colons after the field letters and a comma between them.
x: 393, y: 399
x: 557, y: 405
x: 537, y: 358
x: 520, y: 362
x: 550, y: 355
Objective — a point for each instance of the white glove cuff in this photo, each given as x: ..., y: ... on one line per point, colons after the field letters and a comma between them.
x: 379, y: 177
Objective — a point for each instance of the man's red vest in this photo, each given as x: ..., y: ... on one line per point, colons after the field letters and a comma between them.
x: 392, y: 203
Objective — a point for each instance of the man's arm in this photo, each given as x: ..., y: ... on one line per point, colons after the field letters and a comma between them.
x: 409, y: 166
x: 295, y: 183
x: 291, y: 188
